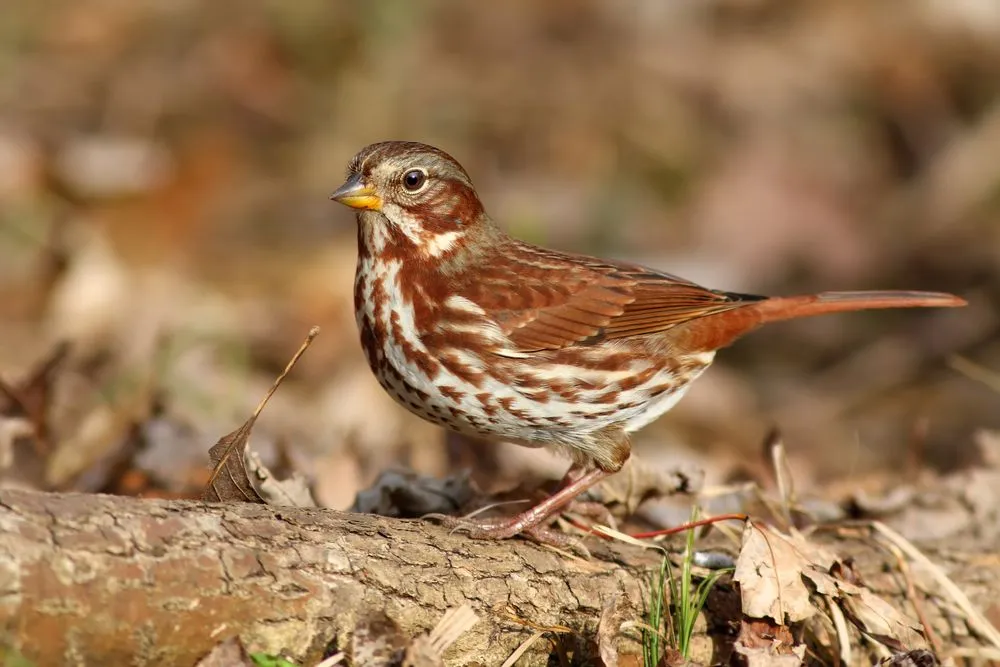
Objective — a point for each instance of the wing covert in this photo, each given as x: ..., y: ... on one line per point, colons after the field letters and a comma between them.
x: 543, y: 300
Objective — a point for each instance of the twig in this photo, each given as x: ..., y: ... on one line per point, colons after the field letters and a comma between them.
x: 973, y: 616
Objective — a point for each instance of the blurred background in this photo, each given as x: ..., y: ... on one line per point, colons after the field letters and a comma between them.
x: 165, y: 167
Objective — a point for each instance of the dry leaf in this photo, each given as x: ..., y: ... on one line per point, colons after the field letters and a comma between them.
x: 235, y: 474
x: 229, y: 653
x: 24, y: 407
x: 769, y: 570
x: 377, y: 641
x: 768, y: 657
x: 427, y: 650
x: 406, y: 494
x: 612, y: 617
x: 918, y: 658
x: 292, y: 491
x: 873, y: 615
x: 778, y: 573
x: 639, y: 481
x: 29, y: 398
x: 766, y: 644
x: 230, y: 479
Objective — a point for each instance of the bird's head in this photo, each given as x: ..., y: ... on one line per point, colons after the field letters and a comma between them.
x: 411, y: 194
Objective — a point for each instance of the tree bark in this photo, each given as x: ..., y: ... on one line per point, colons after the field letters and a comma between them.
x: 90, y: 579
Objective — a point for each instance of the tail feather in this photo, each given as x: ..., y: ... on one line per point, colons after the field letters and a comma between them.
x: 721, y: 329
x: 791, y: 307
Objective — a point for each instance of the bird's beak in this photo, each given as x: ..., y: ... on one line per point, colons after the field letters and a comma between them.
x: 356, y: 194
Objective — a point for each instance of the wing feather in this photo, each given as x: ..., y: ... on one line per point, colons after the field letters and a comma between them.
x: 546, y: 300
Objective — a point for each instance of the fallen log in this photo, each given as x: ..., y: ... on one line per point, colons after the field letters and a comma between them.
x: 92, y: 579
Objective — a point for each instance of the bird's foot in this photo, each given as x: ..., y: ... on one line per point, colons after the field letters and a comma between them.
x: 493, y: 528
x: 532, y: 521
x: 502, y: 528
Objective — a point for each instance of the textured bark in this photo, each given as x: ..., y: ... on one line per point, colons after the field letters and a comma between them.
x: 87, y: 579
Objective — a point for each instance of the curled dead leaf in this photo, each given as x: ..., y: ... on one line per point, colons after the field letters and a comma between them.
x: 238, y: 475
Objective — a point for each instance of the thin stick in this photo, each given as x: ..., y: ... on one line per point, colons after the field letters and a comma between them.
x: 974, y: 617
x: 288, y: 367
x: 911, y: 592
x: 519, y: 651
x: 688, y: 526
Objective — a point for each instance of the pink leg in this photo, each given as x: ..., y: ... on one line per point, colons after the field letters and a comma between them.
x: 531, y: 518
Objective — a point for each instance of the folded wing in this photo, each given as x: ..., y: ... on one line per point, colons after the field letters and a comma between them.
x: 546, y: 300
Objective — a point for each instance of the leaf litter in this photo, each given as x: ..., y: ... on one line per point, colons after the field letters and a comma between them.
x: 378, y: 641
x: 785, y: 578
x: 786, y: 581
x: 25, y: 446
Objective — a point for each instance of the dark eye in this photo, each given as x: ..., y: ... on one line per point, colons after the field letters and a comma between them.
x: 414, y: 179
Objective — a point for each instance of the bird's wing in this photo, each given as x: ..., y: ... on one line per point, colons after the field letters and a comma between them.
x: 545, y: 300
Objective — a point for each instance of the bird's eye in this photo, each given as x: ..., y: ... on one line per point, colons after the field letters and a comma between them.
x: 414, y: 179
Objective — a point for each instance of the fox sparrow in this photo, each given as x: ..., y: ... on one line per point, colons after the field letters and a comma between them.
x: 490, y: 336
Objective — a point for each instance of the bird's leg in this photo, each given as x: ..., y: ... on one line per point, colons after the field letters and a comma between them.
x: 595, y: 511
x: 530, y: 518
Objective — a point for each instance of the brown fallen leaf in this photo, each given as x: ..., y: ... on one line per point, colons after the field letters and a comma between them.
x: 229, y: 653
x: 407, y: 494
x: 768, y: 657
x: 673, y: 658
x: 238, y: 476
x: 377, y: 641
x: 763, y: 643
x: 612, y: 616
x: 918, y: 658
x: 25, y: 449
x: 29, y: 398
x: 874, y: 616
x: 779, y: 573
x: 640, y: 481
x: 769, y: 570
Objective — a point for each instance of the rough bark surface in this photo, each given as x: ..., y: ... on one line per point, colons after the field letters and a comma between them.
x: 89, y: 579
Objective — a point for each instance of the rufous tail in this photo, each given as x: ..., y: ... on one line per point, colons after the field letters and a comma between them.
x: 720, y: 329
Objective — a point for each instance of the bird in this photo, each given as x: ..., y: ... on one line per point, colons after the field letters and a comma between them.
x: 490, y: 336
